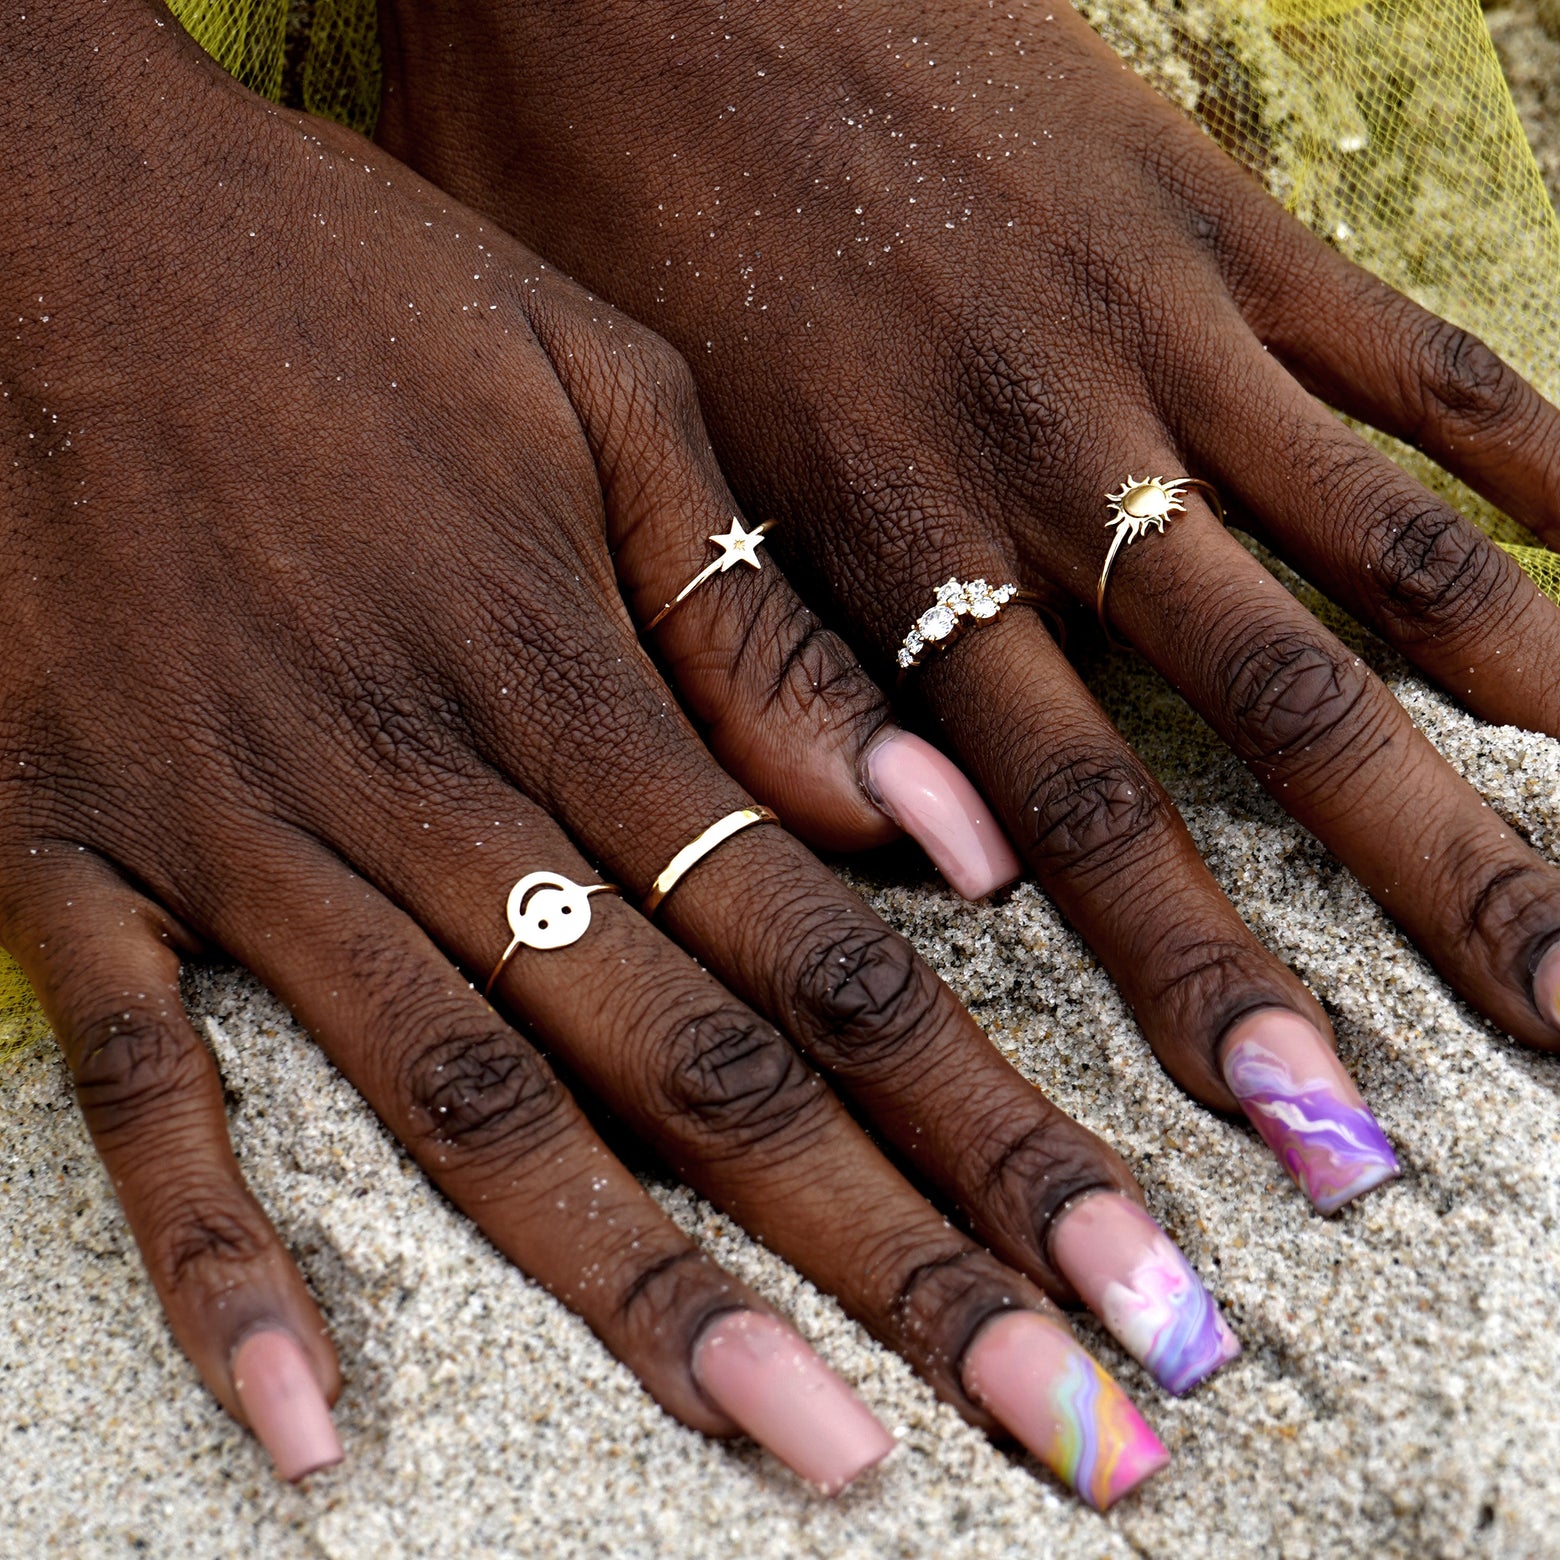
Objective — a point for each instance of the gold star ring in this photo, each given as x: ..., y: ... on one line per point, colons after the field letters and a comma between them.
x: 736, y: 546
x: 1136, y: 506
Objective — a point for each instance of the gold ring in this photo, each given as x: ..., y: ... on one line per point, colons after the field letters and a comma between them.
x: 957, y: 607
x: 736, y: 546
x: 1135, y: 506
x: 546, y: 910
x: 697, y: 849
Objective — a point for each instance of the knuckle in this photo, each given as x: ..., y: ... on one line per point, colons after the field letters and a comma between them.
x: 736, y: 1077
x: 1462, y: 382
x: 1295, y: 699
x: 814, y: 676
x: 1506, y: 904
x: 200, y: 1249
x: 1051, y: 1159
x: 482, y: 1090
x: 129, y: 1063
x: 940, y: 1301
x: 668, y: 1285
x: 868, y: 998
x: 1435, y: 569
x: 1090, y: 811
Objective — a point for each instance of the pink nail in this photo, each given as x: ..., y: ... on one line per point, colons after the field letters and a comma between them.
x: 766, y: 1378
x: 1135, y: 1279
x: 1298, y: 1096
x: 1033, y: 1376
x: 928, y: 796
x: 1546, y: 987
x: 284, y: 1403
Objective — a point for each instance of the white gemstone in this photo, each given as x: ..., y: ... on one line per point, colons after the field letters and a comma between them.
x: 914, y: 643
x: 1003, y: 594
x: 984, y: 606
x: 951, y: 595
x: 936, y: 623
x: 906, y: 660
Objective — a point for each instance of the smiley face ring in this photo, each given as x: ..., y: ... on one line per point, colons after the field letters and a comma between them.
x: 546, y: 910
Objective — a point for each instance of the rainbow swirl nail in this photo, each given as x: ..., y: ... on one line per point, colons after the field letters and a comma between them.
x: 1133, y: 1277
x: 1307, y: 1109
x: 1034, y: 1377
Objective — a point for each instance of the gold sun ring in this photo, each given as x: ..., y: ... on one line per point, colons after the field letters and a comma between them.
x: 1135, y: 507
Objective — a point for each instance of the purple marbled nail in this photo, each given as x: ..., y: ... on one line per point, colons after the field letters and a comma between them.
x: 1304, y: 1104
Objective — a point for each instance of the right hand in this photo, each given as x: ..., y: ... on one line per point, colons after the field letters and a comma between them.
x: 323, y: 505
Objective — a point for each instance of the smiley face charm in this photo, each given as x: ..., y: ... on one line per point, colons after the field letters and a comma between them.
x: 547, y: 910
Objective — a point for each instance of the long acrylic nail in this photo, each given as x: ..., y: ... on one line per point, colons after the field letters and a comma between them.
x: 930, y: 798
x: 1033, y: 1376
x: 1304, y: 1104
x: 1546, y: 987
x: 766, y: 1378
x: 1134, y: 1278
x: 284, y: 1403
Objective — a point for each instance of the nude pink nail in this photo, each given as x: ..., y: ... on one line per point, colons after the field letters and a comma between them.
x: 930, y: 798
x: 1134, y: 1278
x: 285, y: 1404
x: 1546, y: 987
x: 763, y: 1374
x: 1033, y: 1376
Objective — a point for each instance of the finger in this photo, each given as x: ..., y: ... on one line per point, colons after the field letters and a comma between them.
x: 733, y: 1109
x: 1377, y: 355
x: 782, y: 702
x: 779, y: 930
x: 493, y: 1126
x: 1388, y: 550
x: 1331, y: 743
x: 1108, y: 845
x: 104, y: 963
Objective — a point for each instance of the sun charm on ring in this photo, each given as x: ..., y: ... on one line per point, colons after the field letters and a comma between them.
x: 1135, y: 505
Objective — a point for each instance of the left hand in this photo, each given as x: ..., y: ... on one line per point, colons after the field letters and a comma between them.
x: 946, y: 276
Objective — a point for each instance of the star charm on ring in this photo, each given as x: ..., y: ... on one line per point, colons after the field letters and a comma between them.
x: 736, y: 546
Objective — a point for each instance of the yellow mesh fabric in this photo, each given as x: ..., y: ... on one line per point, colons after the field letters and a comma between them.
x: 319, y: 55
x: 1387, y: 127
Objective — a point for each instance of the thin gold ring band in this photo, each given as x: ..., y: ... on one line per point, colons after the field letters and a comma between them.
x: 1129, y: 524
x: 697, y: 849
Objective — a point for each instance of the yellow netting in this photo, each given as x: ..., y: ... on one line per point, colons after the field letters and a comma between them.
x: 320, y: 55
x: 1385, y: 126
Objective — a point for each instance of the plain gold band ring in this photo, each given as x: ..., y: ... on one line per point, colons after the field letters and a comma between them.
x: 1135, y: 508
x: 698, y: 848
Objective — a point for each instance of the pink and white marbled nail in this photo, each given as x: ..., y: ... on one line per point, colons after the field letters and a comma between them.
x: 1135, y: 1279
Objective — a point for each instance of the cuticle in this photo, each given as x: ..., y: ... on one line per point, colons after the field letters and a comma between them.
x: 1048, y: 1232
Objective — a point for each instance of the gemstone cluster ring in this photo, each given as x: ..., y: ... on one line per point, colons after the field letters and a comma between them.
x: 959, y: 605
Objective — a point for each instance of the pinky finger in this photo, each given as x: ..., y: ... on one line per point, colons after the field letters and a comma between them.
x: 103, y: 962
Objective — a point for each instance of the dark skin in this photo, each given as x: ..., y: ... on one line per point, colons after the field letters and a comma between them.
x: 945, y: 273
x: 330, y: 516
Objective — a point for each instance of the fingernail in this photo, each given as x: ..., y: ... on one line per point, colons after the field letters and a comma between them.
x: 1135, y: 1279
x: 1546, y: 986
x: 1033, y: 1376
x: 930, y: 798
x: 765, y: 1377
x: 1304, y: 1104
x: 284, y: 1404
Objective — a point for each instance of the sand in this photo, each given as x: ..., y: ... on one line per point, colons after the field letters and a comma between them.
x: 1397, y: 1397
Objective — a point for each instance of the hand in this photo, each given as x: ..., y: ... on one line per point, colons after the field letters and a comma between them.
x: 946, y: 276
x: 318, y: 647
